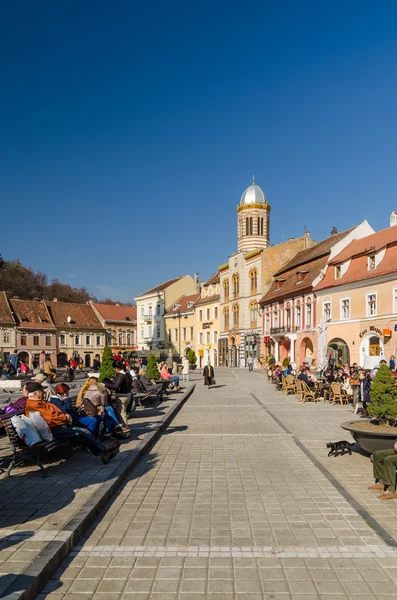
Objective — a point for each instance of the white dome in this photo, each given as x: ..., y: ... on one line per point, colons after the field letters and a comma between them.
x: 253, y: 195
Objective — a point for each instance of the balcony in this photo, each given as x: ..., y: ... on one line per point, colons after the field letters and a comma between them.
x: 148, y: 318
x: 278, y: 330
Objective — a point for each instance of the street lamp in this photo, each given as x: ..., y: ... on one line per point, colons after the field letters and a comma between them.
x: 178, y: 315
x: 69, y: 320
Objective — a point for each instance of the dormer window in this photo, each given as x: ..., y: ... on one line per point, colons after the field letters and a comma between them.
x: 279, y: 283
x: 371, y: 262
x: 338, y: 272
x: 301, y: 276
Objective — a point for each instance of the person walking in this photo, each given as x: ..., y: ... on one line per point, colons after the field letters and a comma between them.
x: 250, y: 363
x: 185, y: 368
x: 209, y: 375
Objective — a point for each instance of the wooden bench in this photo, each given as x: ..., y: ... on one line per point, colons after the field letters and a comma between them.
x: 22, y: 453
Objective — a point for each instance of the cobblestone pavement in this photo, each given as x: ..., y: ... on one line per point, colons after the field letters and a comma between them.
x: 229, y: 505
x: 35, y: 511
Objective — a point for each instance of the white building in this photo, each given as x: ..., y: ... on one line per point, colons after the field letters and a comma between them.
x: 154, y: 303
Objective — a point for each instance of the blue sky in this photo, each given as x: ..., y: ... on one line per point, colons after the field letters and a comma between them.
x: 128, y: 131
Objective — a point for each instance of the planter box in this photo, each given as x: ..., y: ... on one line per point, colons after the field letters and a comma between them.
x: 370, y: 440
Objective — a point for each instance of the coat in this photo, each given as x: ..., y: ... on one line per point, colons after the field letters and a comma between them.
x: 52, y: 415
x: 185, y: 368
x: 209, y: 374
x: 364, y: 390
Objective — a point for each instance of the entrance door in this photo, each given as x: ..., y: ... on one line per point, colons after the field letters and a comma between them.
x: 374, y: 346
x: 88, y: 361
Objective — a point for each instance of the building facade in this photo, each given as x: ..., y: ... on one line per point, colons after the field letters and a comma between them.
x: 154, y: 303
x: 207, y: 322
x: 78, y: 332
x: 120, y: 325
x: 179, y: 325
x: 35, y: 332
x: 289, y: 308
x: 8, y: 336
x: 357, y: 299
x: 245, y: 277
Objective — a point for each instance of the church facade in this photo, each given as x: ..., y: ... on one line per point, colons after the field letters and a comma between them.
x: 247, y: 275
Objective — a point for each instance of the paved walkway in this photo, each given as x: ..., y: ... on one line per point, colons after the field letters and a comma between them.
x: 231, y: 505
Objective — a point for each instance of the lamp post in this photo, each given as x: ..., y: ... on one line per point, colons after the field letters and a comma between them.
x: 69, y: 320
x: 178, y: 315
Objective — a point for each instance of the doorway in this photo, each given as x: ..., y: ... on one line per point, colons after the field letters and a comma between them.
x: 374, y: 346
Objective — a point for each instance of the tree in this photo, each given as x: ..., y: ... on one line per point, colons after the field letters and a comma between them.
x: 383, y: 394
x: 106, y: 369
x: 191, y: 356
x: 152, y: 371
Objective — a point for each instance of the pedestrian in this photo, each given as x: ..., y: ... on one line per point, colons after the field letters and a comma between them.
x: 250, y: 363
x: 392, y: 363
x: 209, y: 375
x: 14, y: 360
x: 185, y: 368
x: 364, y: 392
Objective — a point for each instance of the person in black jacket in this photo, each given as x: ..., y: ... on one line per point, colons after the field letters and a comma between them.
x: 121, y: 385
x: 304, y: 376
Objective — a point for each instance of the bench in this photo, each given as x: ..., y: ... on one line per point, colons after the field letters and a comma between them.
x: 22, y: 453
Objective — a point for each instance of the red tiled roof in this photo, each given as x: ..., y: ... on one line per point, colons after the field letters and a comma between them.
x: 213, y: 279
x: 5, y: 310
x: 31, y: 314
x: 182, y: 304
x: 371, y: 243
x: 291, y: 286
x: 161, y: 287
x: 83, y: 315
x: 111, y: 312
x: 321, y: 249
x: 208, y: 299
x: 358, y: 269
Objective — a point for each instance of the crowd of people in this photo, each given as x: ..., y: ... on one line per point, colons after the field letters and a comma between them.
x: 99, y: 417
x: 347, y: 375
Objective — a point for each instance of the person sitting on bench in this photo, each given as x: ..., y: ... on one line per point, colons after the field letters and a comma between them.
x: 384, y: 464
x: 61, y: 424
x: 121, y: 385
x: 168, y: 377
x: 156, y: 388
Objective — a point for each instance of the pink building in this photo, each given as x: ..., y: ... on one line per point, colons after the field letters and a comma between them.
x: 35, y: 332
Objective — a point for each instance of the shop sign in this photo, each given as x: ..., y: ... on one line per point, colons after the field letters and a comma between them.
x: 250, y: 339
x: 372, y: 329
x: 207, y: 325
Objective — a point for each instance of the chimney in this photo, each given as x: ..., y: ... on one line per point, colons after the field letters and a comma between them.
x: 36, y: 299
x: 117, y: 304
x: 197, y: 282
x: 55, y: 299
x: 307, y: 237
x: 393, y: 218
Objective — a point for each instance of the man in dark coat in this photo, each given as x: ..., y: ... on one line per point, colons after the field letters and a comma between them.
x: 208, y: 374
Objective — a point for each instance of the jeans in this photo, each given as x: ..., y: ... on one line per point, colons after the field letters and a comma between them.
x: 79, y: 435
x: 91, y: 423
x: 186, y: 377
x: 110, y: 419
x: 175, y: 379
x: 250, y: 366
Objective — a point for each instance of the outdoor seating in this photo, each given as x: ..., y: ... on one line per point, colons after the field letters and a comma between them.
x: 22, y: 453
x: 299, y: 390
x: 337, y: 394
x: 307, y: 393
x: 291, y: 384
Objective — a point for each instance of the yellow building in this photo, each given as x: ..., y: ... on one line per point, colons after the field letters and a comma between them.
x: 207, y: 322
x: 179, y: 322
x: 120, y: 324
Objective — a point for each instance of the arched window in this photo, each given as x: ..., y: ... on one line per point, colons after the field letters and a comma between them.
x: 121, y: 338
x: 253, y: 307
x: 236, y: 285
x: 226, y: 289
x: 260, y: 225
x: 226, y: 318
x: 249, y: 226
x: 236, y: 315
x: 253, y: 275
x: 129, y: 338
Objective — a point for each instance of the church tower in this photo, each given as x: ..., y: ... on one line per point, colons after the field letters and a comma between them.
x: 253, y: 220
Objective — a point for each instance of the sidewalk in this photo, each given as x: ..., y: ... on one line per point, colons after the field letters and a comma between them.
x: 232, y: 506
x: 40, y: 519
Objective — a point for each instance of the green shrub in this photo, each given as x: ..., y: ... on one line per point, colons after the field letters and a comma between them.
x: 152, y: 371
x: 285, y: 362
x: 191, y: 356
x: 106, y: 368
x: 383, y: 394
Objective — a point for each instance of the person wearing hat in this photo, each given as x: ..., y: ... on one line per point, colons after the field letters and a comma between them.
x: 61, y: 424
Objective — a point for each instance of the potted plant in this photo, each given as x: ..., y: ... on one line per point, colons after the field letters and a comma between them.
x: 378, y: 432
x: 152, y: 371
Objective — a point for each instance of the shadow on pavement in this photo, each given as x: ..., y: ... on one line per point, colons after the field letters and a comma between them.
x: 172, y: 429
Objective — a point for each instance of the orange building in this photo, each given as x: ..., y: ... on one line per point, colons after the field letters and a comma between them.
x: 357, y: 296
